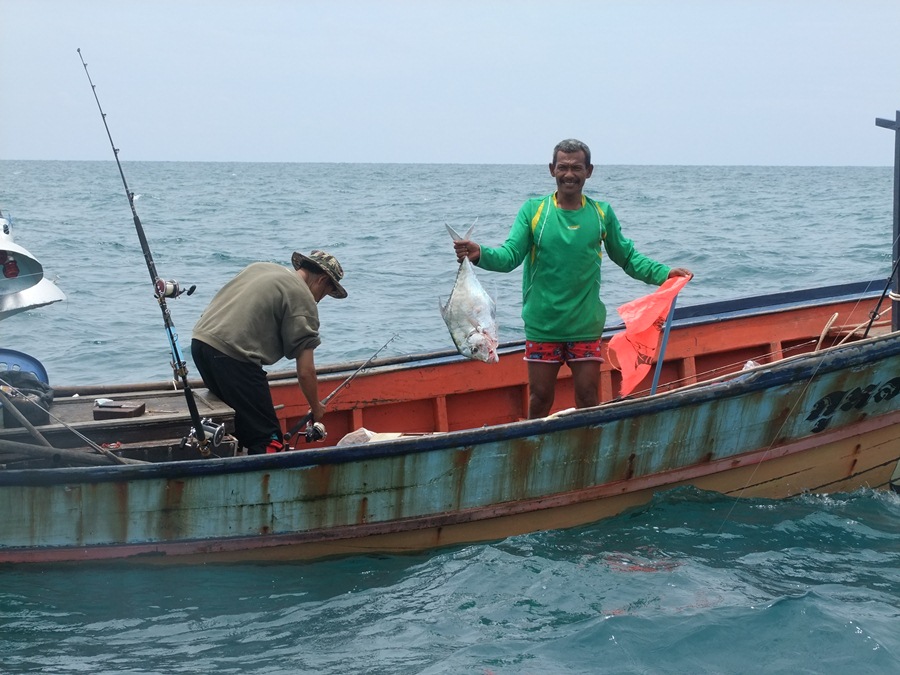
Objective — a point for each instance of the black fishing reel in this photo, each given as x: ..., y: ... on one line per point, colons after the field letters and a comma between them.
x: 315, y: 432
x: 172, y: 289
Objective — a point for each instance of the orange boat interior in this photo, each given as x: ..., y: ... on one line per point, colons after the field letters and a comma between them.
x: 449, y: 394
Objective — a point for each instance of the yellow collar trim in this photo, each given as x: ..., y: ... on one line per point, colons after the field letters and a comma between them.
x: 583, y: 201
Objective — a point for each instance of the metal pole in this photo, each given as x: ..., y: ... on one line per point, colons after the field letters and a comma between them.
x: 895, y: 127
x: 662, y: 348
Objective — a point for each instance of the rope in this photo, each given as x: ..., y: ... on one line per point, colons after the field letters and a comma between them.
x: 113, y: 457
x: 825, y: 331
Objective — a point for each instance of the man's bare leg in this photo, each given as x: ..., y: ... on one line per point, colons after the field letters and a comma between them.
x: 586, y: 379
x: 542, y: 387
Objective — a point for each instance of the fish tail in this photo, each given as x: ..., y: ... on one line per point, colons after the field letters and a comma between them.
x: 456, y: 236
x: 468, y: 234
x: 453, y: 233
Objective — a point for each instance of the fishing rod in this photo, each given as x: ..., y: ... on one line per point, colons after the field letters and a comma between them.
x: 316, y: 432
x: 875, y: 313
x: 204, y: 433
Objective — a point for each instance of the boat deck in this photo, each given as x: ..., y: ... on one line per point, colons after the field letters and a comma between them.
x: 148, y: 425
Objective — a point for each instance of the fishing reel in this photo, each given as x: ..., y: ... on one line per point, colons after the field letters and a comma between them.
x: 311, y: 431
x: 213, y: 437
x: 172, y: 289
x: 315, y: 432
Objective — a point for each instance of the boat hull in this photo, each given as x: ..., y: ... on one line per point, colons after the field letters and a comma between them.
x: 823, y: 422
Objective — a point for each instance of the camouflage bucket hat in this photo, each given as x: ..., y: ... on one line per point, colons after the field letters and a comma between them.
x: 322, y: 262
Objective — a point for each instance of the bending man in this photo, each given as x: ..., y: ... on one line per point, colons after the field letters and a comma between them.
x: 265, y: 313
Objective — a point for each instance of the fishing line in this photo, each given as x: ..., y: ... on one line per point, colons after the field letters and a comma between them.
x: 874, y: 314
x: 314, y: 433
x: 162, y: 290
x: 720, y: 373
x: 790, y: 413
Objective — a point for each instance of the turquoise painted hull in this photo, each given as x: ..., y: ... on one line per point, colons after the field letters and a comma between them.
x: 816, y: 422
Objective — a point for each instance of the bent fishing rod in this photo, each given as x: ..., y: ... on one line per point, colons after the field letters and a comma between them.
x: 162, y: 290
x: 317, y: 432
x: 875, y: 313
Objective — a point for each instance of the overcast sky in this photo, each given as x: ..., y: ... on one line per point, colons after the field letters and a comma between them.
x: 767, y: 82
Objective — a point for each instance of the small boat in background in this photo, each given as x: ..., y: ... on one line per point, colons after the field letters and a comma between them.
x: 22, y: 283
x: 22, y: 287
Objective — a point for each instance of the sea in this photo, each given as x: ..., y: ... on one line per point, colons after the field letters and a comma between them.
x: 692, y: 582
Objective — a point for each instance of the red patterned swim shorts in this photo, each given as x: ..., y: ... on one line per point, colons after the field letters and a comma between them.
x: 562, y: 352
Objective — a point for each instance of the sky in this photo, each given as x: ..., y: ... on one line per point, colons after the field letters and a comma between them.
x: 761, y: 82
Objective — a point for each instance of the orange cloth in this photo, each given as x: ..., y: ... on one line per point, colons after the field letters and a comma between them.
x: 633, y: 350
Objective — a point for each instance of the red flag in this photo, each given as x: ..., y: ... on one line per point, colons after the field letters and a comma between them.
x: 633, y: 350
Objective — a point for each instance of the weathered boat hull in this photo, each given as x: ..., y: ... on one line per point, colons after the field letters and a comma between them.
x: 821, y: 422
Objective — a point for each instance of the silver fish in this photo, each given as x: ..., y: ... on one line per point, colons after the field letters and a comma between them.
x: 470, y: 313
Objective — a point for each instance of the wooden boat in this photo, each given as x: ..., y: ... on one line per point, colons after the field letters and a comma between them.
x: 452, y: 460
x: 770, y: 397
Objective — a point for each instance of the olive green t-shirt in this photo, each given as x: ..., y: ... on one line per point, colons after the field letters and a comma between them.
x: 262, y: 315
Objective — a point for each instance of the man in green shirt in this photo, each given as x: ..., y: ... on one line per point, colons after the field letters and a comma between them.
x: 560, y: 239
x: 265, y: 313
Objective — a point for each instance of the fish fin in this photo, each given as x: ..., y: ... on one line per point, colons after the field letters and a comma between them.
x: 492, y: 296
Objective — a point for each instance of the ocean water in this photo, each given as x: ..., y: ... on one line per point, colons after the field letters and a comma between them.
x: 691, y: 583
x: 741, y: 230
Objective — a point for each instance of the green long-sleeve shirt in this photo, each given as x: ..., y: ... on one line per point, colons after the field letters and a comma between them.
x: 562, y: 251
